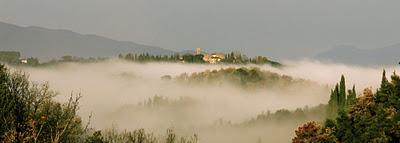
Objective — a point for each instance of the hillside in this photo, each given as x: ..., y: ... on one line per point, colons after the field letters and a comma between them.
x: 48, y: 43
x: 352, y: 55
x: 244, y: 77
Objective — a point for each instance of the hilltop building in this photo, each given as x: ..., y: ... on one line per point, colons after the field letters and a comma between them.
x: 214, y: 58
x: 24, y: 61
x: 198, y: 51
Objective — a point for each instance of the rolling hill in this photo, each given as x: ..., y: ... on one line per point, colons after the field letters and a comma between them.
x: 46, y: 44
x: 389, y: 55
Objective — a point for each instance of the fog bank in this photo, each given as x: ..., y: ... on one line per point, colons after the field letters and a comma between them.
x: 114, y: 92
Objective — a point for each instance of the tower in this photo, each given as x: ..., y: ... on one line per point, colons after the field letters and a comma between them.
x: 198, y: 51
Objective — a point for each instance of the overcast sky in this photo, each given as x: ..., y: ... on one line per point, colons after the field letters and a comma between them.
x: 281, y: 28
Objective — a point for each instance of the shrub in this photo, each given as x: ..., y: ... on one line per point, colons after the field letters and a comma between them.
x: 29, y: 114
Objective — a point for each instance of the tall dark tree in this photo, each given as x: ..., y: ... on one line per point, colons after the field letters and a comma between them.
x: 342, y: 93
x: 333, y: 104
x: 384, y: 91
x: 351, y: 97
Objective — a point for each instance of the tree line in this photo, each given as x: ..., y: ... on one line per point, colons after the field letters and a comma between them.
x: 243, y: 77
x: 230, y: 58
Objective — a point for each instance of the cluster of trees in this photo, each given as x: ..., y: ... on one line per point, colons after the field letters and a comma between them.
x: 146, y: 57
x: 233, y: 58
x: 284, y: 116
x: 10, y: 57
x: 339, y: 99
x: 244, y: 77
x: 157, y: 103
x: 230, y: 58
x: 69, y: 59
x: 162, y: 102
x: 28, y: 113
x: 14, y: 58
x: 137, y: 136
x: 72, y: 59
x: 372, y: 117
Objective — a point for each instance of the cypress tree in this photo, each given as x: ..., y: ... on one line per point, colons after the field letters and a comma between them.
x: 342, y: 93
x: 351, y: 97
x: 333, y: 104
x: 383, y: 93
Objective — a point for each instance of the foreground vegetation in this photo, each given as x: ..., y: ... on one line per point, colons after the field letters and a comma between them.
x: 372, y: 117
x: 28, y: 113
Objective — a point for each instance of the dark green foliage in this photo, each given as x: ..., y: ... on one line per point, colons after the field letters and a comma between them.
x: 193, y: 58
x: 158, y: 102
x: 369, y: 118
x: 10, y: 57
x: 365, y: 121
x: 285, y: 116
x: 145, y: 57
x: 333, y: 104
x: 171, y: 137
x: 230, y: 58
x: 385, y: 91
x: 96, y: 138
x: 342, y: 93
x: 244, y: 77
x: 32, y: 61
x: 237, y: 58
x: 64, y: 59
x: 29, y: 114
x: 138, y: 136
x: 351, y: 97
x: 344, y: 127
x: 339, y: 100
x: 71, y: 59
x: 14, y: 58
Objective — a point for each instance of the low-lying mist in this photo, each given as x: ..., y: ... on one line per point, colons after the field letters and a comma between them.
x: 130, y: 95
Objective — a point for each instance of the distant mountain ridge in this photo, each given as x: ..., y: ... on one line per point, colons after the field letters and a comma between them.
x: 351, y: 55
x: 46, y: 43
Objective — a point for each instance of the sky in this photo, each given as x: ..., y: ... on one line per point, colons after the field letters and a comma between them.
x: 275, y: 28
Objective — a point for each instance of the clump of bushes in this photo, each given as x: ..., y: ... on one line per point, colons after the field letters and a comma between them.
x: 137, y: 136
x: 29, y: 114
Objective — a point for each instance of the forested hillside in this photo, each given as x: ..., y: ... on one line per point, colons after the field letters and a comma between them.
x: 244, y: 77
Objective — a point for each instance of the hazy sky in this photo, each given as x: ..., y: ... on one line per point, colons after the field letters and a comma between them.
x: 281, y: 28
